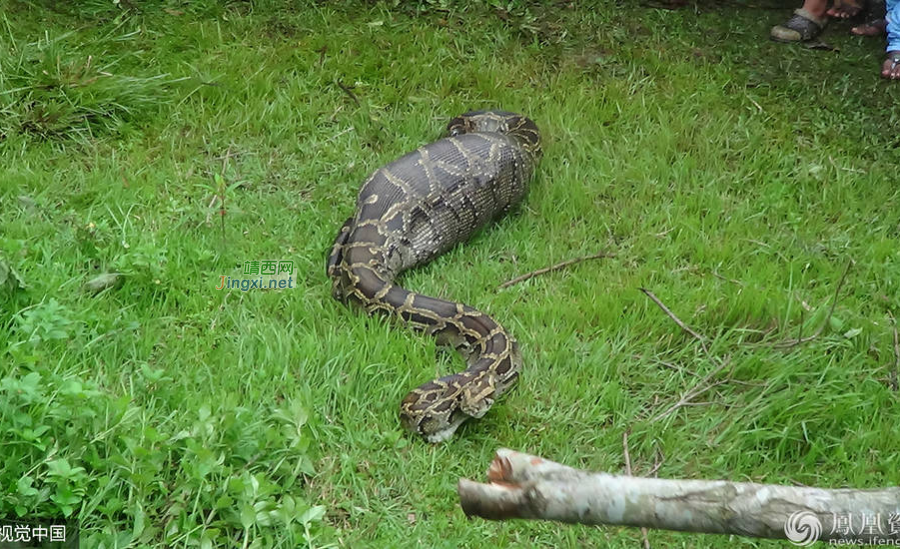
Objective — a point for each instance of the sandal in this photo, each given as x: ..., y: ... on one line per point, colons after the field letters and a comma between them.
x: 802, y: 26
x: 891, y: 72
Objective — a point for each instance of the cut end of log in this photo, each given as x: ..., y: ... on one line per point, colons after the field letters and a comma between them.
x: 490, y: 501
x: 500, y: 469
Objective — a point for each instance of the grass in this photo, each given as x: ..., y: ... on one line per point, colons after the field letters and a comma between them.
x: 733, y: 177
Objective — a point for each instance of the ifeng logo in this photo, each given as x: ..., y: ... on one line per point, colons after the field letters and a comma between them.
x: 803, y: 528
x: 848, y: 528
x: 266, y: 274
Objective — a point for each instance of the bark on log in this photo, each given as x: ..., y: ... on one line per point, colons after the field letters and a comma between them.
x: 530, y: 487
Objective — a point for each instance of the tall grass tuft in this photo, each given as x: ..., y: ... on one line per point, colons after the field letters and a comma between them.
x: 55, y: 89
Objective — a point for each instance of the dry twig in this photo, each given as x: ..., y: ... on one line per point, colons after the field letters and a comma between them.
x: 625, y: 453
x: 677, y: 320
x: 668, y: 365
x: 704, y: 384
x: 701, y: 387
x: 552, y: 268
x: 895, y: 374
x: 222, y: 189
x: 800, y: 340
x: 657, y: 463
x: 726, y: 279
x: 349, y: 91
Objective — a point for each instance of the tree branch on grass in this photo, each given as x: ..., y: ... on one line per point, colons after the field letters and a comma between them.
x: 529, y: 487
x: 552, y: 268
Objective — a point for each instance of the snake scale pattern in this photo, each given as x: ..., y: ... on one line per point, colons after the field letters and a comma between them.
x: 412, y: 210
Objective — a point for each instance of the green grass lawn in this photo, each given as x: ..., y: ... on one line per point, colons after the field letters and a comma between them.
x: 733, y: 177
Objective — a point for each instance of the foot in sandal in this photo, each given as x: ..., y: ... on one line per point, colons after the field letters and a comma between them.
x: 802, y: 26
x: 891, y: 67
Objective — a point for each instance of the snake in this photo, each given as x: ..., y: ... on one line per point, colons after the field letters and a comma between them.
x: 412, y: 210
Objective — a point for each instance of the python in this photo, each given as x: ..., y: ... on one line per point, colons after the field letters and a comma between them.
x: 416, y: 208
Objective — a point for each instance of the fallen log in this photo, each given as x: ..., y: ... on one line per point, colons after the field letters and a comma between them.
x: 529, y: 487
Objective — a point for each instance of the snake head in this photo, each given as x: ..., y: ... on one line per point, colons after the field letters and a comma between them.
x: 433, y: 410
x: 484, y: 121
x: 436, y: 409
x: 520, y: 128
